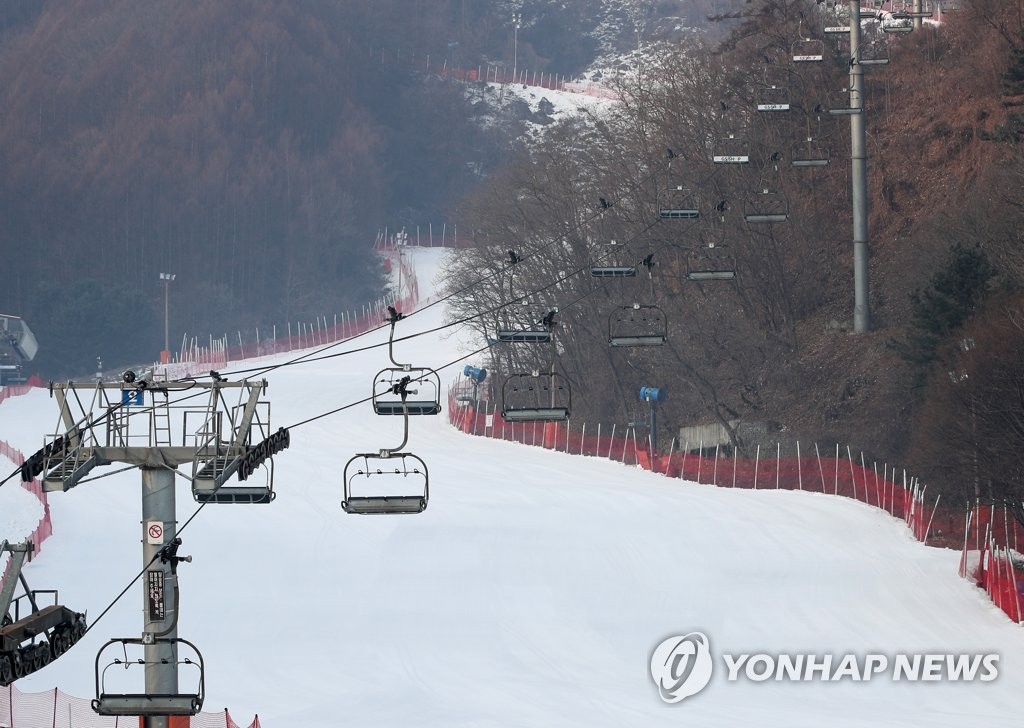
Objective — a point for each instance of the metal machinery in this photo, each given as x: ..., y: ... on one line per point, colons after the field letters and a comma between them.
x: 18, y: 346
x: 31, y: 635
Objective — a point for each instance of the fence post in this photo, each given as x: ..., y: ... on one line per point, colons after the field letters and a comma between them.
x: 778, y: 462
x: 836, y: 489
x: 611, y: 439
x: 928, y: 528
x: 757, y: 463
x: 849, y: 456
x: 700, y: 458
x: 799, y: 471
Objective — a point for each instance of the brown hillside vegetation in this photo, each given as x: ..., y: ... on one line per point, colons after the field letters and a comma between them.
x: 775, y: 346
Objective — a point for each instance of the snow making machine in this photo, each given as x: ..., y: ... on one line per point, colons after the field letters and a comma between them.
x: 31, y: 635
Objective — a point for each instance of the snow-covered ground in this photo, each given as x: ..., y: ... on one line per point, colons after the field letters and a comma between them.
x: 531, y: 592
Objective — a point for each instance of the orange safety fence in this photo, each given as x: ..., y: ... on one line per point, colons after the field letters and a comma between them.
x: 986, y: 535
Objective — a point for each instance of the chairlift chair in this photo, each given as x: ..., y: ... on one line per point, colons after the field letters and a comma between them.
x: 900, y: 27
x: 710, y: 265
x: 839, y: 104
x: 536, y: 397
x: 210, y: 482
x: 109, y: 702
x: 219, y: 461
x: 731, y: 150
x: 838, y: 21
x: 407, y: 390
x: 677, y: 202
x: 809, y: 154
x: 401, y: 476
x: 538, y: 331
x: 765, y: 206
x: 637, y: 325
x: 808, y: 50
x: 771, y: 98
x: 907, y: 12
x: 874, y: 48
x: 611, y: 264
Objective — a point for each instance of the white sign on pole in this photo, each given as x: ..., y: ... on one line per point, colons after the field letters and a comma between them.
x: 154, y: 532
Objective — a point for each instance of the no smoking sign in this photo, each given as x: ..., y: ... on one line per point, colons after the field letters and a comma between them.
x: 154, y: 532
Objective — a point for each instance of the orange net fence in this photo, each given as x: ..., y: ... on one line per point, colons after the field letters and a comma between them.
x: 986, y: 534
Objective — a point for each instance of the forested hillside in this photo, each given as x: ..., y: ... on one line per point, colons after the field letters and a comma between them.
x: 937, y: 381
x: 250, y: 148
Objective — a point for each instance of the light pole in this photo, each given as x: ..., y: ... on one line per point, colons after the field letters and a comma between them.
x: 517, y: 21
x: 401, y: 240
x: 165, y: 355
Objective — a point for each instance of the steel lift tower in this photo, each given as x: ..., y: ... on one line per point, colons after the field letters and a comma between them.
x: 159, y: 426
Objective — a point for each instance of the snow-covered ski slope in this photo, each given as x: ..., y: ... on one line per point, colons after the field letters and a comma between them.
x: 531, y: 592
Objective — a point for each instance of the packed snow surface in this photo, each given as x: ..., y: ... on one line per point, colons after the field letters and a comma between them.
x: 531, y: 592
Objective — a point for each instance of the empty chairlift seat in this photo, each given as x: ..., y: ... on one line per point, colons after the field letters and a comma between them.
x: 677, y: 202
x: 211, y: 476
x: 765, y: 206
x: 637, y: 325
x: 808, y: 50
x: 809, y: 153
x: 385, y: 483
x: 840, y: 103
x: 710, y: 266
x: 112, y: 697
x: 536, y: 397
x: 731, y: 150
x: 769, y: 98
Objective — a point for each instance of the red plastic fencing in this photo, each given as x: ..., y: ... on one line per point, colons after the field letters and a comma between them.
x: 194, y: 359
x: 53, y: 708
x: 987, y: 536
x: 44, y: 528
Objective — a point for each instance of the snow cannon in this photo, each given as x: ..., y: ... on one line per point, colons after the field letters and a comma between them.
x: 476, y: 374
x: 652, y: 394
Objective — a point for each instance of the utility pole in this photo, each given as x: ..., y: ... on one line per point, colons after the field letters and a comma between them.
x: 858, y: 178
x: 517, y: 21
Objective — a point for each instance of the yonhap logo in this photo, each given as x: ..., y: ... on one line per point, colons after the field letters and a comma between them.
x: 681, y: 666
